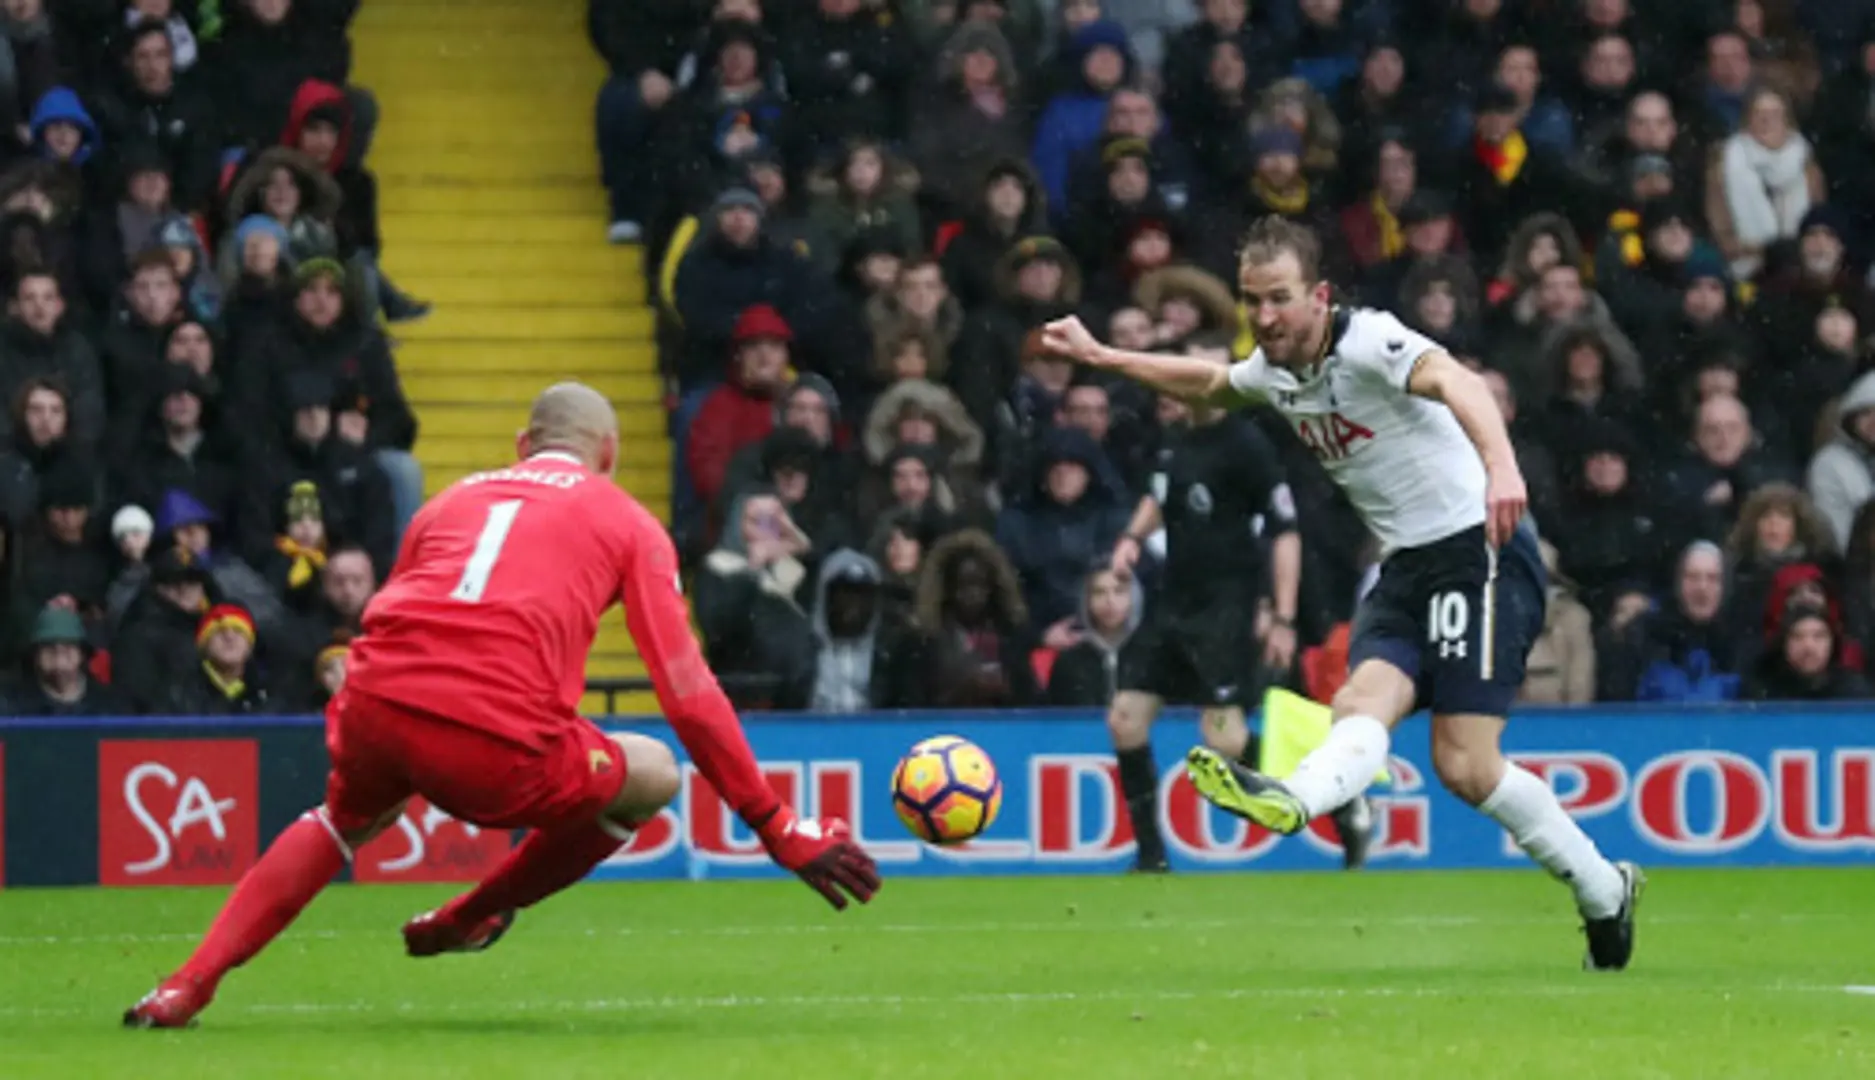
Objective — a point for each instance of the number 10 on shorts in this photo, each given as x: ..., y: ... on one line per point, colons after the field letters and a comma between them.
x: 1448, y: 616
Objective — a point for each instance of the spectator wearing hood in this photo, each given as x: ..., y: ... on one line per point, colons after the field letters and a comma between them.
x: 183, y: 521
x: 1086, y: 674
x: 354, y: 494
x: 157, y: 636
x: 62, y: 553
x: 39, y: 341
x: 865, y: 659
x: 736, y: 105
x: 295, y: 191
x: 201, y: 285
x: 1842, y: 474
x: 867, y: 189
x: 1074, y: 118
x: 977, y: 641
x: 56, y: 681
x: 1805, y: 662
x: 740, y: 411
x: 320, y: 125
x: 748, y: 604
x: 149, y: 102
x: 921, y: 430
x: 1068, y: 523
x: 1107, y: 216
x: 225, y: 680
x: 976, y: 117
x: 1009, y: 204
x: 1682, y: 653
x: 62, y: 130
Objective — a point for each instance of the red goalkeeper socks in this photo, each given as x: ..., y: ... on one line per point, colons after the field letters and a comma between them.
x: 543, y: 864
x: 269, y: 897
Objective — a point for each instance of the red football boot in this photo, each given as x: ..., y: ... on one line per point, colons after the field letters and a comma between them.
x: 174, y: 1003
x: 429, y: 934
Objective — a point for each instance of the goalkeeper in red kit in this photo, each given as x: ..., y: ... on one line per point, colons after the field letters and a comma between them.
x: 464, y: 689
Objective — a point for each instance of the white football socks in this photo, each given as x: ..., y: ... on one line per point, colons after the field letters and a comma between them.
x: 1342, y: 767
x: 1529, y: 811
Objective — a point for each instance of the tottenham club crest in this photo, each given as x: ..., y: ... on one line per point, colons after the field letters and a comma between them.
x: 1199, y: 500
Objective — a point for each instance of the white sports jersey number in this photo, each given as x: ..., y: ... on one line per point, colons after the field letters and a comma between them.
x: 1448, y: 616
x: 487, y: 552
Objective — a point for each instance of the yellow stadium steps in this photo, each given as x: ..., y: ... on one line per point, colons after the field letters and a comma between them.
x: 496, y: 231
x: 618, y: 292
x: 534, y: 325
x: 550, y: 361
x: 565, y: 263
x: 414, y: 192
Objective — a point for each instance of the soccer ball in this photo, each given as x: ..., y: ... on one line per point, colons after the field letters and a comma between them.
x: 946, y: 790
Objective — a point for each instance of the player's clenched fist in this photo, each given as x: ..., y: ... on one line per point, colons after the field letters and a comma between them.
x: 1069, y: 339
x: 823, y: 854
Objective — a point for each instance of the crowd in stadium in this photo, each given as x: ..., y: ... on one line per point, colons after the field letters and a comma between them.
x: 1648, y: 221
x: 205, y: 460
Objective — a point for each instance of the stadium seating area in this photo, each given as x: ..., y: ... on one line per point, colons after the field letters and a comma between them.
x: 1648, y: 221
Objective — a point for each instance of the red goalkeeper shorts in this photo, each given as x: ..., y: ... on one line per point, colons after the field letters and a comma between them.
x: 383, y: 752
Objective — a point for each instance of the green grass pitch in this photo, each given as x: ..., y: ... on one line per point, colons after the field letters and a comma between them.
x: 1739, y: 974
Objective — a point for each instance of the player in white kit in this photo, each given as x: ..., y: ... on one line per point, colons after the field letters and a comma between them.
x: 1418, y: 444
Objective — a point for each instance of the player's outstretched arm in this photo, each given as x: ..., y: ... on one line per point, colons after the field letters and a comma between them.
x: 822, y: 853
x: 1194, y: 379
x: 1439, y: 377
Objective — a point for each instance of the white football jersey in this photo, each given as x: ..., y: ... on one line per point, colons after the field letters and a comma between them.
x: 1405, y: 462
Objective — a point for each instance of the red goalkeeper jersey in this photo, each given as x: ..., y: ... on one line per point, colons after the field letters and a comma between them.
x: 490, y: 613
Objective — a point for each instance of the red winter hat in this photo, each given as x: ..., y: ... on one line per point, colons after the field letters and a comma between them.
x: 224, y: 617
x: 761, y: 322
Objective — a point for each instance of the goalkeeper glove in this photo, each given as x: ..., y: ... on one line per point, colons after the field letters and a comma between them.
x: 824, y: 855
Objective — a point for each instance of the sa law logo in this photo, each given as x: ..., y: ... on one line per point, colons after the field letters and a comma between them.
x: 428, y: 845
x: 177, y: 811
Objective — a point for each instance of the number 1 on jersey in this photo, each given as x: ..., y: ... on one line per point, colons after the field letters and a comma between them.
x: 487, y: 552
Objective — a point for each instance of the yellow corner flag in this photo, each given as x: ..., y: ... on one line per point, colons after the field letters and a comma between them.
x: 1292, y: 726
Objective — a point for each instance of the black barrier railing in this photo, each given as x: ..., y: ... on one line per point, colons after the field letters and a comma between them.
x: 737, y: 684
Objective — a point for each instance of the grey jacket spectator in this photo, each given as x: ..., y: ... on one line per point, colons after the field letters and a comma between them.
x: 1842, y: 474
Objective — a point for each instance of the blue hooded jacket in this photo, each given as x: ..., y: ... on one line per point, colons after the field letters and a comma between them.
x: 1075, y: 118
x: 1052, y: 545
x: 62, y: 103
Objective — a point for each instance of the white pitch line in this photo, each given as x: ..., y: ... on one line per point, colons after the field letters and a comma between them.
x: 901, y: 1001
x: 1868, y: 991
x: 1065, y: 925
